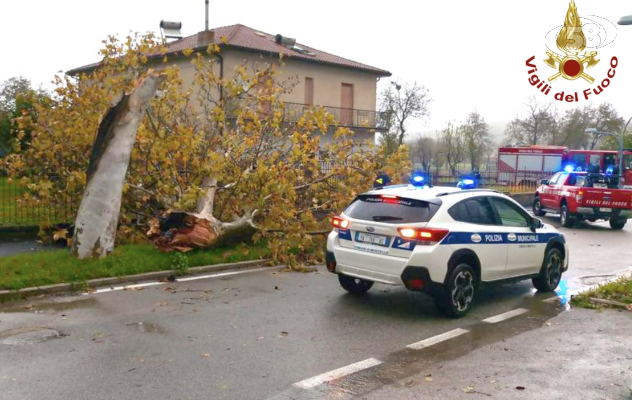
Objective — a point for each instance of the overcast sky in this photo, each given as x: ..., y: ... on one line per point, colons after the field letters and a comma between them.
x: 470, y: 54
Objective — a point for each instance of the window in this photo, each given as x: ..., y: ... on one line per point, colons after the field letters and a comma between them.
x: 309, y: 91
x: 391, y: 210
x: 509, y: 214
x: 476, y: 210
x: 609, y: 159
x: 576, y: 180
x: 554, y: 179
x: 579, y: 160
x: 595, y: 161
x: 561, y: 180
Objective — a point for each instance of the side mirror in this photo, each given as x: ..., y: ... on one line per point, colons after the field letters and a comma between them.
x: 545, y: 182
x: 536, y: 224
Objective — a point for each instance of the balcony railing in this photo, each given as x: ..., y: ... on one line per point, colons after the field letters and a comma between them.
x: 345, y: 116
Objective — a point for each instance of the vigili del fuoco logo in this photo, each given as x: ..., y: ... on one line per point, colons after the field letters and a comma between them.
x: 578, y: 40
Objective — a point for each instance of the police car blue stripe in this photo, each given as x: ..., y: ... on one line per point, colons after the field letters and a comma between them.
x: 497, y: 238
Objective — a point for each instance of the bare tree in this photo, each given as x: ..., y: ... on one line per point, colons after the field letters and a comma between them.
x: 477, y: 139
x: 539, y: 122
x: 453, y: 146
x: 423, y: 150
x: 400, y: 104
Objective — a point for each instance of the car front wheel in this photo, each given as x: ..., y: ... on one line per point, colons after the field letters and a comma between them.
x: 459, y: 292
x: 354, y: 285
x: 537, y: 207
x: 551, y: 272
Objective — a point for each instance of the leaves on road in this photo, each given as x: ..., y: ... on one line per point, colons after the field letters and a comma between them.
x: 283, y: 334
x: 206, y: 355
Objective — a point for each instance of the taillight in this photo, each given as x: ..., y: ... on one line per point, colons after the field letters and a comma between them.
x: 338, y: 222
x: 424, y: 236
x: 580, y: 196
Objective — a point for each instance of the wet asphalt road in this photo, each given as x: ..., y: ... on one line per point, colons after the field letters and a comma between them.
x: 253, y: 335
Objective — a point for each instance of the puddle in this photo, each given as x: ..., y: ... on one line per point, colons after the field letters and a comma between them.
x: 146, y: 327
x: 28, y: 336
x: 62, y: 304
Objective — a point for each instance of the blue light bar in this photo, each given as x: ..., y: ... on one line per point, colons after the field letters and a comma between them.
x: 568, y: 168
x: 418, y: 178
x: 468, y: 182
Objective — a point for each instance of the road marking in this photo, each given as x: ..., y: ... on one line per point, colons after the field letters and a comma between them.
x: 337, y: 373
x: 192, y: 278
x: 437, y: 339
x: 504, y: 316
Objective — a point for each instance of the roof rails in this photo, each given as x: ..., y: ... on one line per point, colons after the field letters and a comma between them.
x: 467, y: 191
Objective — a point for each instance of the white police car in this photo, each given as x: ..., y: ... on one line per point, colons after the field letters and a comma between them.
x: 444, y: 241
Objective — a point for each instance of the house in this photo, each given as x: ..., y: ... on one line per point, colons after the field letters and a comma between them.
x: 345, y: 88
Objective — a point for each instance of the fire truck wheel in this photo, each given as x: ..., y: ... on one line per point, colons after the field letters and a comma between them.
x: 565, y: 217
x: 617, y: 223
x: 537, y: 207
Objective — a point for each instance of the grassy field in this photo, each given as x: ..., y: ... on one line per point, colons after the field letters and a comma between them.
x: 59, y: 266
x: 619, y: 291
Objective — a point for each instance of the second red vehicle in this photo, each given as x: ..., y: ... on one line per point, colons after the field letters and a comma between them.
x: 583, y: 196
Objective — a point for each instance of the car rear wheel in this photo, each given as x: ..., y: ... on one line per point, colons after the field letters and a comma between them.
x: 565, y: 217
x: 551, y: 272
x: 537, y: 207
x: 354, y: 285
x: 617, y: 223
x: 459, y: 292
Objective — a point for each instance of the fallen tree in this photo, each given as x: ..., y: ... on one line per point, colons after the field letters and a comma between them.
x: 98, y: 216
x: 225, y: 155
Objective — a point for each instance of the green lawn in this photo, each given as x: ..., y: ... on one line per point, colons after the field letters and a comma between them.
x: 58, y: 266
x: 619, y: 290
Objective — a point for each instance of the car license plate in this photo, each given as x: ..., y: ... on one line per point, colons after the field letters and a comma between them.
x: 372, y: 239
x: 606, y: 210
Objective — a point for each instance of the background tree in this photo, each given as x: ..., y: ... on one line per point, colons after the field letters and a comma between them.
x: 453, y: 146
x: 477, y: 139
x: 400, y: 104
x: 423, y: 150
x: 17, y: 98
x: 538, y: 123
x: 573, y: 124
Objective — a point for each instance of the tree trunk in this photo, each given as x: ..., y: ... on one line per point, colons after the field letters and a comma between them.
x: 97, y: 219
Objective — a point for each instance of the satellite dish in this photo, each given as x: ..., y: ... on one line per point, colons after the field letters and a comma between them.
x: 171, y: 29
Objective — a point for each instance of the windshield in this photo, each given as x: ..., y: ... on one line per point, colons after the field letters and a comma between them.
x: 396, y: 210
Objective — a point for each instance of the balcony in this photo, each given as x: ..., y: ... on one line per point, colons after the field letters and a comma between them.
x: 349, y: 117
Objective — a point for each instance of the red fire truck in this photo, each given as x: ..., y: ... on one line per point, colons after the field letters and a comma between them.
x: 528, y: 165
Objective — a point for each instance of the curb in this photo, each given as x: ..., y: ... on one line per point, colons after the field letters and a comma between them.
x: 9, y: 295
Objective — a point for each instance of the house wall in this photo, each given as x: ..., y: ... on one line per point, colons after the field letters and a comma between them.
x: 327, y: 83
x: 328, y: 80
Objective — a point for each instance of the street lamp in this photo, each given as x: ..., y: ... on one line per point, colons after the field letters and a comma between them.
x: 619, y: 138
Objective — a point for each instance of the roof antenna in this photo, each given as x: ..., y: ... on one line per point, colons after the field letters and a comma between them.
x: 206, y: 13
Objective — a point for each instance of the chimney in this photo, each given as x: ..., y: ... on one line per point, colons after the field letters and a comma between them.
x: 206, y: 15
x: 205, y: 38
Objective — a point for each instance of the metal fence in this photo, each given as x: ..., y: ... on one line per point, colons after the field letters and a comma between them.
x: 345, y: 116
x: 519, y: 181
x: 15, y: 210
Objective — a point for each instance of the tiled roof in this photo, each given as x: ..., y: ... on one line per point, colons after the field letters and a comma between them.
x: 243, y: 37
